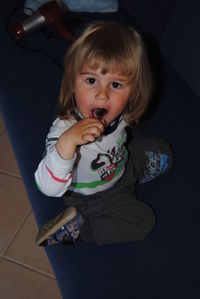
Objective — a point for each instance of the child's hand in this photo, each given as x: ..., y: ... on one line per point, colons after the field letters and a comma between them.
x: 84, y: 131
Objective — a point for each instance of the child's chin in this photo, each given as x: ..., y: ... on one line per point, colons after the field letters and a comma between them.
x: 110, y: 119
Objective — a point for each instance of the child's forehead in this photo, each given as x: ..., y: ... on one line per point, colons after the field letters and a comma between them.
x: 104, y: 68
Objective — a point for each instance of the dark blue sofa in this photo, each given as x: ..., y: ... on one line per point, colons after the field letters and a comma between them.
x: 166, y: 265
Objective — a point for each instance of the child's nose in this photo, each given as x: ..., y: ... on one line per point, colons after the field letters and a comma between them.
x: 102, y: 93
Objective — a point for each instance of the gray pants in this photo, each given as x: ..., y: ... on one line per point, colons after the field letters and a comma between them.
x: 116, y: 215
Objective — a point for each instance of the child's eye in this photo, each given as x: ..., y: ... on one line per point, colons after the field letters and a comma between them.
x: 91, y: 80
x: 116, y: 85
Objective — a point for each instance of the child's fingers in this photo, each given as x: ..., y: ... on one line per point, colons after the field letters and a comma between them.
x: 91, y: 122
x: 88, y: 138
x: 94, y: 123
x: 86, y: 130
x: 93, y: 130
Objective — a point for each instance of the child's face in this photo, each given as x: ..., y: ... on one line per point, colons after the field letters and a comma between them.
x: 93, y: 89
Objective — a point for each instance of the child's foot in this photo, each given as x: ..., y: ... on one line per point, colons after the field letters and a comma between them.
x: 157, y: 164
x: 63, y: 228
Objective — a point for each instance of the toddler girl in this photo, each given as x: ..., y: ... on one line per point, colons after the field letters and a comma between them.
x: 106, y: 87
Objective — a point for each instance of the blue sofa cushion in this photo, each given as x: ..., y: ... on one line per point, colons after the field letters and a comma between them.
x: 166, y: 264
x: 181, y: 41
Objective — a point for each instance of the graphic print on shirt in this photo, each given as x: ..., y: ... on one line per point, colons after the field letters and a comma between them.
x: 109, y: 164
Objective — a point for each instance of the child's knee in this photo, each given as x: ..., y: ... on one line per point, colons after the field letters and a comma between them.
x: 142, y: 220
x: 147, y: 225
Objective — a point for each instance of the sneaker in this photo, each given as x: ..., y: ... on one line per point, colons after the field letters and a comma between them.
x: 157, y: 164
x: 63, y: 228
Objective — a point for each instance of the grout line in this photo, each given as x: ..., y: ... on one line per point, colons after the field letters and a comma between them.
x: 8, y: 173
x: 16, y: 232
x: 28, y: 267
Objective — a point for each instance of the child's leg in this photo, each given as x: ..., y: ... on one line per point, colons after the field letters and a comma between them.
x: 114, y: 215
x: 123, y: 220
x: 151, y: 157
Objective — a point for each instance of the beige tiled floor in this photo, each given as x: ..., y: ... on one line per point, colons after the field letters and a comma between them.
x: 25, y: 271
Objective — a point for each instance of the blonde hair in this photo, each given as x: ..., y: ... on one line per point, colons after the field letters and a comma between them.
x: 116, y: 48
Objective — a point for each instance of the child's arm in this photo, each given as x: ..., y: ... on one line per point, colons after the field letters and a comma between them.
x: 54, y: 173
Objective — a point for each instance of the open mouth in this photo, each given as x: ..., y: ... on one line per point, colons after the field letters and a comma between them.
x: 99, y: 113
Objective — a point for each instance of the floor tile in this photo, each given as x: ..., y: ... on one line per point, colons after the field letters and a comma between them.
x: 24, y: 249
x: 7, y: 158
x: 13, y: 206
x: 20, y: 283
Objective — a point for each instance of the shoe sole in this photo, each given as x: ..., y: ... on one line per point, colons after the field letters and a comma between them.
x: 54, y: 224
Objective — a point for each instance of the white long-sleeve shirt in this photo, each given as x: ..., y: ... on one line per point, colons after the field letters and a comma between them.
x: 95, y: 166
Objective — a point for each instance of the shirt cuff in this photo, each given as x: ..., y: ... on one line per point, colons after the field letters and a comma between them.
x: 54, y: 159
